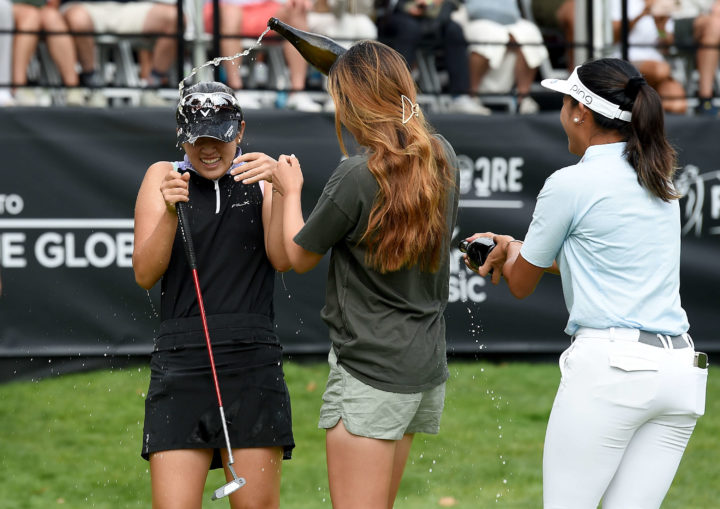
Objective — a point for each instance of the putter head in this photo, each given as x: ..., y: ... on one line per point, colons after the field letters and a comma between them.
x: 234, y: 485
x: 225, y: 490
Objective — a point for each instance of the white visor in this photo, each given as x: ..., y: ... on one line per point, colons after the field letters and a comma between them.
x: 575, y: 89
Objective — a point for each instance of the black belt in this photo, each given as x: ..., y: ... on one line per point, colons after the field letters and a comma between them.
x: 650, y: 338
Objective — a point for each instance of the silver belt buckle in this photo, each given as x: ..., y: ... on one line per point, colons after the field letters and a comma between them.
x: 701, y: 360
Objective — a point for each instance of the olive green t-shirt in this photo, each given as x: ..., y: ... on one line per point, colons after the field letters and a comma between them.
x: 388, y: 330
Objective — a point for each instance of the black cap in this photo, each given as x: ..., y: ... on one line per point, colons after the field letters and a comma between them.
x: 208, y: 109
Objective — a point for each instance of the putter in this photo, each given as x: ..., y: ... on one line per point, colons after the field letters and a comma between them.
x: 237, y: 482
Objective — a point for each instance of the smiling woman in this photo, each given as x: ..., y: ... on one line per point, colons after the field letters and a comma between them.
x: 632, y: 386
x: 230, y: 217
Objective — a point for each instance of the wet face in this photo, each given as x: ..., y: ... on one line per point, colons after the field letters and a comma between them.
x: 210, y: 157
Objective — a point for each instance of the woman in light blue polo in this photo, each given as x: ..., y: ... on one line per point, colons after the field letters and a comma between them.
x: 632, y: 386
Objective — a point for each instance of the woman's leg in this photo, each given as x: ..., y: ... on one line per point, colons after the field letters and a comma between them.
x: 402, y: 451
x: 294, y: 14
x: 162, y: 19
x: 364, y: 473
x: 230, y: 23
x: 594, y: 416
x: 649, y: 463
x: 479, y: 66
x: 673, y: 96
x: 659, y: 76
x: 178, y: 478
x: 706, y: 29
x: 566, y: 19
x: 261, y: 468
x: 524, y: 74
x: 27, y: 18
x: 61, y: 47
x: 456, y: 58
x: 79, y: 20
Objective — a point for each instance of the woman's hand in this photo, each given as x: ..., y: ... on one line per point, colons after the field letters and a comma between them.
x: 496, y: 258
x: 174, y: 188
x: 254, y: 166
x: 288, y: 177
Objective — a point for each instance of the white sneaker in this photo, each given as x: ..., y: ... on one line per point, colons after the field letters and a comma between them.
x: 466, y: 104
x: 96, y: 99
x: 528, y: 106
x: 26, y: 97
x: 6, y: 98
x: 329, y: 105
x: 152, y: 99
x: 75, y: 97
x: 260, y: 74
x: 247, y: 100
x: 302, y: 102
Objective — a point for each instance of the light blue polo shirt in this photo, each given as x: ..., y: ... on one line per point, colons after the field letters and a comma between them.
x: 617, y: 245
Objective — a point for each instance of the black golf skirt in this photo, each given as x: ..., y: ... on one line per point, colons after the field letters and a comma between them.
x: 181, y: 408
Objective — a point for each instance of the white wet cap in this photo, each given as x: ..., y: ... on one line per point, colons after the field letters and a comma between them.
x: 575, y: 89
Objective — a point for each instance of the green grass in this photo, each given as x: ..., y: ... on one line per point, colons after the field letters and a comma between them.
x: 74, y: 441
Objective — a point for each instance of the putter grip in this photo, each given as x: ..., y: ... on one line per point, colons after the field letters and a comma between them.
x: 184, y: 224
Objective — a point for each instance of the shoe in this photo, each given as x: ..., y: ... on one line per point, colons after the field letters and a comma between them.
x: 329, y: 106
x: 26, y: 97
x: 302, y: 102
x: 706, y: 108
x: 528, y: 106
x: 152, y: 99
x: 96, y: 99
x: 6, y: 98
x: 260, y: 74
x: 75, y: 97
x: 468, y: 105
x: 247, y: 100
x: 91, y: 79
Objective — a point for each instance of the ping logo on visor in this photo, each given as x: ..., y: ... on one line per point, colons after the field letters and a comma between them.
x: 575, y: 89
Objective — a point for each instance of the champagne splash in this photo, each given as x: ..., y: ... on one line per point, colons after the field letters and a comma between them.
x: 218, y: 60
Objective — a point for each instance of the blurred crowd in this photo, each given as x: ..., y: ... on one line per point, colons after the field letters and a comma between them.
x: 473, y: 50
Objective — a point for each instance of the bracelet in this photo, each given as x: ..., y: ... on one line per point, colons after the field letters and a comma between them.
x: 515, y: 240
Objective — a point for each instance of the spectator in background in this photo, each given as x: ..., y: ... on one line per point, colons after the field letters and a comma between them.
x: 248, y: 18
x: 411, y: 24
x: 36, y: 16
x: 556, y: 19
x: 123, y: 17
x: 346, y: 21
x: 698, y: 22
x: 343, y: 20
x: 494, y: 28
x: 565, y: 16
x: 6, y: 46
x: 651, y: 31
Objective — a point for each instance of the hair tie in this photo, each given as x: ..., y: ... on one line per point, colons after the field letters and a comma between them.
x: 633, y: 86
x: 409, y: 111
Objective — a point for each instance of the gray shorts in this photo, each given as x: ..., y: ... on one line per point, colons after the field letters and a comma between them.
x: 116, y: 17
x: 370, y: 412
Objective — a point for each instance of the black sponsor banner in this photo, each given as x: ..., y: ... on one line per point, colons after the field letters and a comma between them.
x: 70, y: 178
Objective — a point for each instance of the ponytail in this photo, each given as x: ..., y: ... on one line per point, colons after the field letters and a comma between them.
x: 648, y: 150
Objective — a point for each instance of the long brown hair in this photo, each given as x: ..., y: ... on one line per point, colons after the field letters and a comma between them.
x: 647, y: 149
x: 407, y: 223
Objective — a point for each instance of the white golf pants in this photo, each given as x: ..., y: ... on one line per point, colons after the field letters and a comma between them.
x: 621, y: 420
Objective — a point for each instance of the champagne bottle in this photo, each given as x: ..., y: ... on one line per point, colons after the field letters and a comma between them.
x: 320, y: 51
x: 477, y: 250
